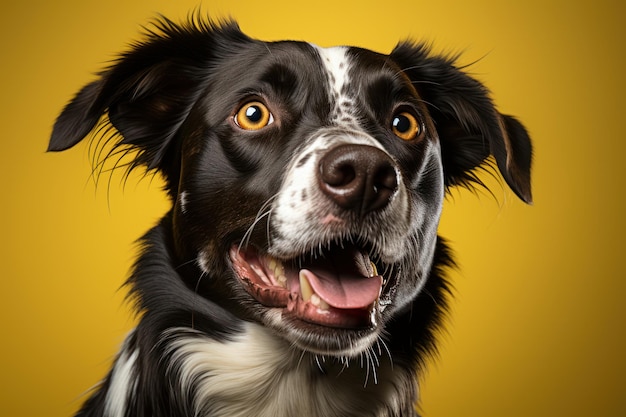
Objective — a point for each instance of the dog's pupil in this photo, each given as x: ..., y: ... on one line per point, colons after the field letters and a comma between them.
x: 401, y: 123
x: 254, y: 113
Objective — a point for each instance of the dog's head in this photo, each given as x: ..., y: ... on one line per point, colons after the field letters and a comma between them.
x: 307, y: 182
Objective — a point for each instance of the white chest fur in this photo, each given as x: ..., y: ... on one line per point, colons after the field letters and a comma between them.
x: 258, y: 374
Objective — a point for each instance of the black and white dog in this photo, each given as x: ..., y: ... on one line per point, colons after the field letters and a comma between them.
x: 299, y: 271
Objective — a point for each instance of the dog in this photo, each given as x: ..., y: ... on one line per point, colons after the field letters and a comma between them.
x: 299, y: 271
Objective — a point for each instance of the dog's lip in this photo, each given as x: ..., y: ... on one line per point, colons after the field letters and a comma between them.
x: 342, y: 291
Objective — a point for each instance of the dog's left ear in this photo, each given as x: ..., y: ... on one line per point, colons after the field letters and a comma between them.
x: 467, y: 122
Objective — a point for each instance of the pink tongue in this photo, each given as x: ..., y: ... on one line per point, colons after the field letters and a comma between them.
x: 343, y: 290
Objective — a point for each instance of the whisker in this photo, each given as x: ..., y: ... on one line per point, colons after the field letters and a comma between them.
x: 368, y: 361
x: 267, y: 228
x: 430, y: 295
x: 428, y: 103
x: 380, y: 341
x: 319, y: 365
x: 375, y: 364
x: 367, y: 367
x: 185, y: 264
x: 259, y: 216
x: 426, y: 82
x: 300, y: 359
x: 246, y: 237
x: 345, y: 364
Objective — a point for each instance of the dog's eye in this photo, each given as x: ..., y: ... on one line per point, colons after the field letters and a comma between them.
x: 253, y: 116
x: 405, y: 126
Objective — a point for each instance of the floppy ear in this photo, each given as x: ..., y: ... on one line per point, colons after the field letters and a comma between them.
x: 467, y: 122
x: 148, y: 93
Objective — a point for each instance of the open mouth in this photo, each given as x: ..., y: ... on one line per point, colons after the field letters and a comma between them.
x: 340, y: 288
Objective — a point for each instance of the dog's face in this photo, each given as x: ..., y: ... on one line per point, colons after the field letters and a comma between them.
x: 307, y: 182
x: 317, y: 175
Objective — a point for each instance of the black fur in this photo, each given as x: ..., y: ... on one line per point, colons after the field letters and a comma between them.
x: 167, y: 103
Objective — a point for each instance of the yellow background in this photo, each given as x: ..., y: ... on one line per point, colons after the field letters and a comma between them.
x: 538, y: 324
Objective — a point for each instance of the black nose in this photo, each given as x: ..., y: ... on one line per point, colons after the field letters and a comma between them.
x: 358, y: 177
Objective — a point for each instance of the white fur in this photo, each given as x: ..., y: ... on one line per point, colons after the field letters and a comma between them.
x: 259, y: 374
x: 182, y: 199
x: 337, y: 65
x: 123, y: 384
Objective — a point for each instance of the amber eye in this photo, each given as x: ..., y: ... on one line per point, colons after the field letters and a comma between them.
x: 405, y: 126
x: 253, y: 116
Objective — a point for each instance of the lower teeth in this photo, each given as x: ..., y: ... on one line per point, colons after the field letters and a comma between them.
x: 308, y: 295
x: 319, y: 303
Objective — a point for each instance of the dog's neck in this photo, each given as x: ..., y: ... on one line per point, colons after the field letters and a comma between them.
x: 283, y: 381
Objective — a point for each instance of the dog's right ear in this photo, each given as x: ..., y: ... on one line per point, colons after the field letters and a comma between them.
x: 77, y: 119
x: 149, y: 91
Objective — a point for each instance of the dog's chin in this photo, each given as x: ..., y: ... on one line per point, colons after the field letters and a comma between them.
x: 322, y: 340
x: 329, y: 303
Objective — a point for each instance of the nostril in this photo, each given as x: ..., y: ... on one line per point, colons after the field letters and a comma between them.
x: 386, y: 178
x: 358, y: 177
x: 384, y: 184
x: 338, y: 173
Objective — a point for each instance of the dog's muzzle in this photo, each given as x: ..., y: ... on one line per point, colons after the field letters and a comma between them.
x: 329, y: 275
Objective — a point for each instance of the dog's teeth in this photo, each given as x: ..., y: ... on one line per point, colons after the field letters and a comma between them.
x: 309, y: 295
x: 278, y: 271
x: 305, y: 287
x: 318, y: 302
x: 315, y: 300
x: 374, y: 270
x: 282, y: 280
x: 273, y: 264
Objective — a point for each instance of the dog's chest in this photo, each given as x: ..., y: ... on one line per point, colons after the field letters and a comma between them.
x: 259, y: 374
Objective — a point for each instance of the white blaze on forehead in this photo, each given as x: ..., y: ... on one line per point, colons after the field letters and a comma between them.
x: 337, y: 65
